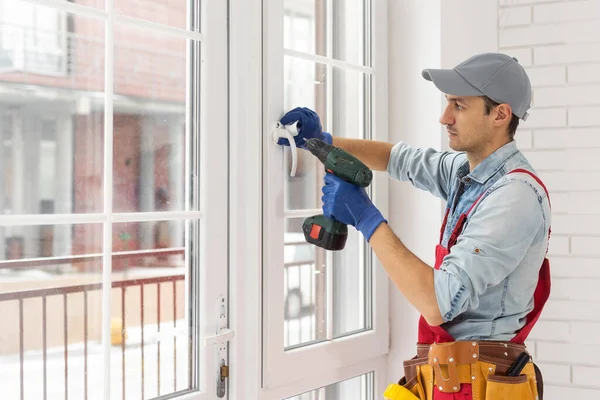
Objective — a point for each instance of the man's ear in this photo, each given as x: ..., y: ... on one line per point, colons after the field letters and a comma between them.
x: 503, y: 114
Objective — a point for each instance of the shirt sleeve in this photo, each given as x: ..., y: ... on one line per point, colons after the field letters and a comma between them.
x: 426, y: 168
x: 498, y: 234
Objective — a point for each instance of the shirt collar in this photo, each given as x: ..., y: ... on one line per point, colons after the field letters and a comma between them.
x: 490, y: 165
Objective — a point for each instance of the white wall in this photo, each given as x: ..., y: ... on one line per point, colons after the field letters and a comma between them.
x: 557, y: 41
x: 414, y: 104
x: 560, y: 43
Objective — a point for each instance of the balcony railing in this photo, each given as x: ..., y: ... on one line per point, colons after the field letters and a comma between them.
x: 136, y: 346
x: 73, y: 379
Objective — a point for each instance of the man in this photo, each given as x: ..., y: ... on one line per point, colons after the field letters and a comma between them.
x: 493, y: 242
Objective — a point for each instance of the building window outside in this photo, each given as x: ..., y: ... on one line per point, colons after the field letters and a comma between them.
x: 52, y: 163
x: 34, y: 38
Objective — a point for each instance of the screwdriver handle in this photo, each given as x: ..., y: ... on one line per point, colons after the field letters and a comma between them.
x: 518, y: 365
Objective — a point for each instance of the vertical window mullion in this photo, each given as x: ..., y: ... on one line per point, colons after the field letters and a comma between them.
x: 108, y: 194
x: 329, y: 30
x: 329, y: 126
x: 189, y: 287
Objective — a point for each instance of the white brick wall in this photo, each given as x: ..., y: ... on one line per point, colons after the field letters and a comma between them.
x: 559, y: 44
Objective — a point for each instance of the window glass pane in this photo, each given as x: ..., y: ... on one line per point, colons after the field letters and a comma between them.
x: 306, y: 297
x: 52, y: 162
x: 304, y: 24
x: 165, y: 12
x: 51, y: 140
x: 51, y: 306
x: 350, y: 103
x: 305, y: 288
x: 351, y: 277
x: 152, y: 338
x: 350, y: 31
x: 305, y: 86
x: 351, y: 280
x: 158, y: 356
x: 53, y: 129
x: 149, y: 133
x: 358, y: 388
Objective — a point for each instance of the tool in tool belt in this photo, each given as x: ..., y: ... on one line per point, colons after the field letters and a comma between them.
x: 517, y: 366
x: 397, y: 392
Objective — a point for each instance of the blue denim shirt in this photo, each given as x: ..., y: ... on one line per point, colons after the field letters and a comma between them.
x: 485, y: 286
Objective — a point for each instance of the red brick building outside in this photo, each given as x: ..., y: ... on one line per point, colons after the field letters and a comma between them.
x: 52, y: 97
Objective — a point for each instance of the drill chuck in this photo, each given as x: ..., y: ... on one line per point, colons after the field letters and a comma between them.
x: 319, y: 149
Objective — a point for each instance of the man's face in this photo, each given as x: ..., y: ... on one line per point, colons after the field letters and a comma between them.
x: 469, y: 128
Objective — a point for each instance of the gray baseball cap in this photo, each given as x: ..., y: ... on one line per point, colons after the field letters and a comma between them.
x: 497, y: 76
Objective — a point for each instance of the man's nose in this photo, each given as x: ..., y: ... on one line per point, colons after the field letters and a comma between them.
x: 447, y: 118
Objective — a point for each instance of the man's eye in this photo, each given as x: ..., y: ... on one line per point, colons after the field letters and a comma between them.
x: 458, y: 106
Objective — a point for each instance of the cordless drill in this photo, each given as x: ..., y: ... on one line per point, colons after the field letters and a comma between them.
x: 318, y: 229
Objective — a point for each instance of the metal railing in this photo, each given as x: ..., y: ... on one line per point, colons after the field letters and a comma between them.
x: 21, y: 296
x: 301, y: 326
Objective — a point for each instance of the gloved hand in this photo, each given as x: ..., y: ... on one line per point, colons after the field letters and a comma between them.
x: 350, y: 205
x: 309, y: 126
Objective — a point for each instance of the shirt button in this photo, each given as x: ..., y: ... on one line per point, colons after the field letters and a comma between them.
x: 467, y: 180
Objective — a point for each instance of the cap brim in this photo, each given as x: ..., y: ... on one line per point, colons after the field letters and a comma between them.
x: 449, y: 81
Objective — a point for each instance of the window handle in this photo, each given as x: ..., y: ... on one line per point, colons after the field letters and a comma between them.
x: 288, y: 132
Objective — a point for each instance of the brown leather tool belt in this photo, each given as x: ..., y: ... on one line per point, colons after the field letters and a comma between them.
x: 451, y: 356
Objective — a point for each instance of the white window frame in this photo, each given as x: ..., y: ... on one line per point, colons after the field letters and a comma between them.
x: 257, y: 252
x: 211, y: 132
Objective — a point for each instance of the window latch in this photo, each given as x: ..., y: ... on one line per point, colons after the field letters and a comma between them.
x: 224, y: 336
x: 221, y: 339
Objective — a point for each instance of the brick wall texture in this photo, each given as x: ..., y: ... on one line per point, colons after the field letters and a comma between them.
x: 559, y: 44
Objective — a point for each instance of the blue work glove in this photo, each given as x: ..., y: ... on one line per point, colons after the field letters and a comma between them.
x: 309, y: 126
x: 351, y: 205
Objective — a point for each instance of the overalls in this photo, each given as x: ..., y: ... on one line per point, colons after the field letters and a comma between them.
x: 445, y: 369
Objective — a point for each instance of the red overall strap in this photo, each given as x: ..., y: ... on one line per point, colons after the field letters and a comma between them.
x: 542, y: 290
x: 540, y: 183
x: 428, y: 334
